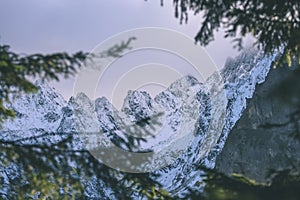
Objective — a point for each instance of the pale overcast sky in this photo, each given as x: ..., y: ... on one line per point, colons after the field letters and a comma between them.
x: 45, y: 26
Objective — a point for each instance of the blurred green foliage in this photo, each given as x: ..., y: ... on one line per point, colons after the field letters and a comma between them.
x: 274, y: 24
x: 284, y: 185
x: 58, y: 172
x: 45, y: 172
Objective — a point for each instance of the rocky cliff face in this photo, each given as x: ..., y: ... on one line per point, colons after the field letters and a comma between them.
x: 264, y: 139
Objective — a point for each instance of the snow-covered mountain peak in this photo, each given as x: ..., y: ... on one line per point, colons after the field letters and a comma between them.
x: 37, y: 110
x: 139, y: 105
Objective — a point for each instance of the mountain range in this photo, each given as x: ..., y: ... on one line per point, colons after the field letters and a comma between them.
x: 188, y: 112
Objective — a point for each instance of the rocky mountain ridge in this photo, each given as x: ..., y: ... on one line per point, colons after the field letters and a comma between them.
x: 46, y: 118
